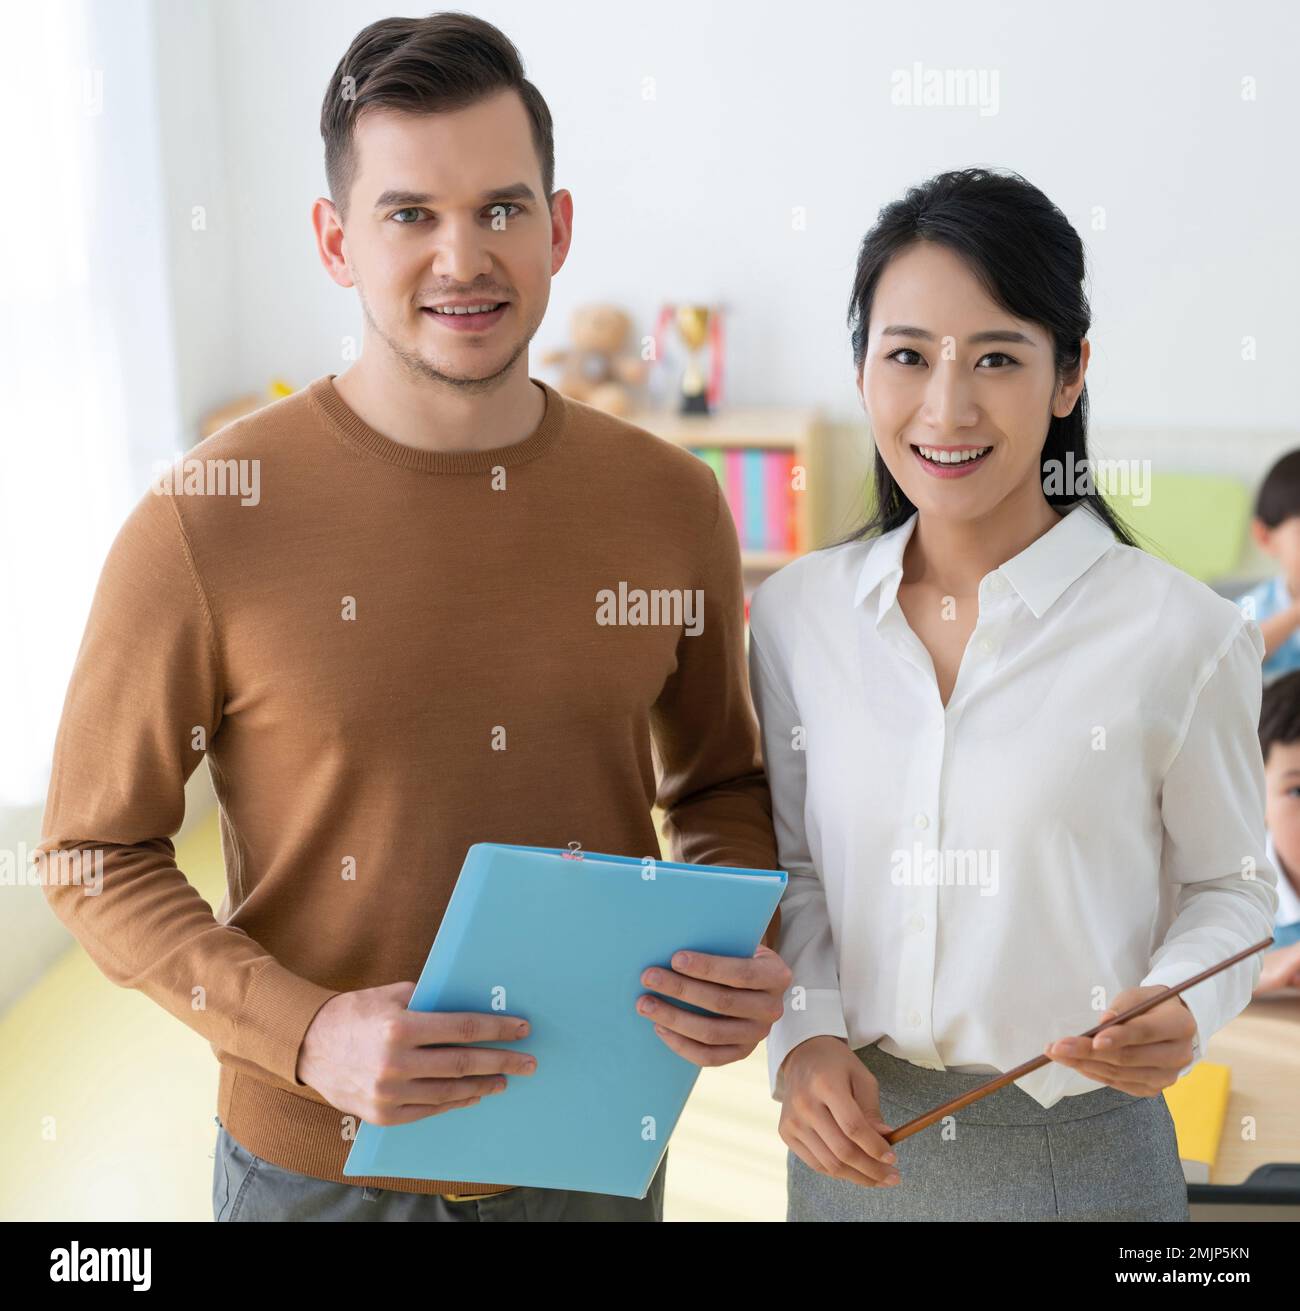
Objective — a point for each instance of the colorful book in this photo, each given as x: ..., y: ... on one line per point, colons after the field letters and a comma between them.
x: 756, y: 509
x: 781, y: 506
x: 712, y: 456
x: 734, y: 463
x: 758, y: 484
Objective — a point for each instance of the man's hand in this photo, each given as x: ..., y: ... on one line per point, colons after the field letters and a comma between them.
x: 1140, y: 1056
x: 366, y: 1054
x: 746, y: 995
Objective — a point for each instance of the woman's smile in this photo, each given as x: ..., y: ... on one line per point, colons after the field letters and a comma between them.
x: 950, y: 461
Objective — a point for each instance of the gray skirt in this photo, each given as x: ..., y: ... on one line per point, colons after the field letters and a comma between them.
x: 1103, y: 1155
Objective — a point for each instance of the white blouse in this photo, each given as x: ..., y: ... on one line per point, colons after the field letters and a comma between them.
x: 1086, y: 815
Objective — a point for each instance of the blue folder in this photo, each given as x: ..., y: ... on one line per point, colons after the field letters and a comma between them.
x: 562, y: 942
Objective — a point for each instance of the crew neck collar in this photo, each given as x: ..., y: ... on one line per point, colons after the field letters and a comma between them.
x: 354, y: 431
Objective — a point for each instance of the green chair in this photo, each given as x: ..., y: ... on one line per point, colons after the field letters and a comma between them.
x: 1195, y: 521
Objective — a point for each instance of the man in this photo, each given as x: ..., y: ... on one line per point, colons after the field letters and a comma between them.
x: 392, y: 652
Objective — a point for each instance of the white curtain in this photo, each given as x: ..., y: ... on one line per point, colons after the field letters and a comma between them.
x: 87, y: 371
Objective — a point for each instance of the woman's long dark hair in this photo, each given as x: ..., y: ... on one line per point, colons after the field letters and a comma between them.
x: 1029, y: 258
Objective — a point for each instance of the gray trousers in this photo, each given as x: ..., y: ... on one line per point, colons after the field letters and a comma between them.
x: 245, y: 1187
x: 1103, y: 1155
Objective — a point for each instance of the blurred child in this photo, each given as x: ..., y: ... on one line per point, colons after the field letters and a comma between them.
x: 1275, y: 603
x: 1279, y: 738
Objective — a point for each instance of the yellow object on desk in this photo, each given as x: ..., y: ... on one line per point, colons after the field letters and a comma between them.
x: 1198, y: 1103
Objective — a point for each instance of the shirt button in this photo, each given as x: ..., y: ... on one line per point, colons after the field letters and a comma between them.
x: 914, y: 1019
x: 996, y: 584
x: 922, y: 822
x: 985, y: 645
x: 917, y: 923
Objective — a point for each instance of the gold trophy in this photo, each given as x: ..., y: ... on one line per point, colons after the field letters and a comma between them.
x: 693, y: 328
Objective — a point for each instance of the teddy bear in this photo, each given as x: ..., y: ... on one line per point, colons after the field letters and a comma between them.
x: 597, y: 370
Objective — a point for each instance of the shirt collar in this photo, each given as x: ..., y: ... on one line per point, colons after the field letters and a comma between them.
x: 884, y: 561
x: 1039, y: 574
x: 1061, y: 556
x: 1288, y: 903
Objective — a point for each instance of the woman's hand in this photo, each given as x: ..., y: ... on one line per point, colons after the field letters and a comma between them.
x: 830, y: 1118
x: 1281, y: 969
x: 1140, y: 1056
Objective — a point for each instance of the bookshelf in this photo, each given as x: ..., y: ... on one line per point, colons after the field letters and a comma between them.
x: 766, y: 432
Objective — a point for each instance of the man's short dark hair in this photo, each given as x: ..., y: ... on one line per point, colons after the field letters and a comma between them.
x: 437, y: 64
x: 1279, y: 493
x: 1279, y: 712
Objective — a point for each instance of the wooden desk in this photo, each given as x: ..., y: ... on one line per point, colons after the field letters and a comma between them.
x: 1262, y: 1049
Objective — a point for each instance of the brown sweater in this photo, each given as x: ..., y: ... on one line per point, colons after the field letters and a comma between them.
x: 387, y: 654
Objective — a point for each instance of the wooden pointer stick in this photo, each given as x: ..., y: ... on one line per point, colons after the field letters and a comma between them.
x: 1001, y: 1081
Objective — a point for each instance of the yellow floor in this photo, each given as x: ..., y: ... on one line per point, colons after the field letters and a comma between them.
x: 109, y: 1106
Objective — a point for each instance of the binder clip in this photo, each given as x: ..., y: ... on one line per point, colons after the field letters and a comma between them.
x: 574, y: 852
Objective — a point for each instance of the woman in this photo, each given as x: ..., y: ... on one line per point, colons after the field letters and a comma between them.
x: 1013, y: 758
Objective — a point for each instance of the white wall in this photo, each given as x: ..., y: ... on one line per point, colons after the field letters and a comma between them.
x: 763, y: 106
